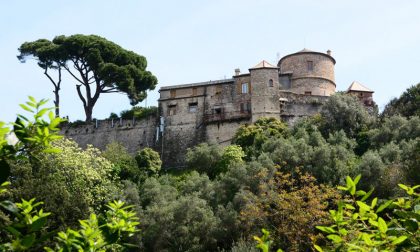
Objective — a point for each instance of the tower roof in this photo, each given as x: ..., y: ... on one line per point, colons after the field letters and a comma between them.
x: 263, y: 64
x: 307, y: 51
x: 356, y: 86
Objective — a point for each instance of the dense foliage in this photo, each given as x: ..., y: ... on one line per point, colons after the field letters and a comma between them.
x: 408, y: 104
x: 138, y: 112
x: 72, y: 182
x: 292, y: 182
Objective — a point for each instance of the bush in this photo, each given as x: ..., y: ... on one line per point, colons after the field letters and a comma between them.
x: 148, y: 161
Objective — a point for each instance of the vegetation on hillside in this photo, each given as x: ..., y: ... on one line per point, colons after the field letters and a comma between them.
x: 294, y: 183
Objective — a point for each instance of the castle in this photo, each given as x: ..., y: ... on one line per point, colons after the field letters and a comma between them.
x: 212, y: 111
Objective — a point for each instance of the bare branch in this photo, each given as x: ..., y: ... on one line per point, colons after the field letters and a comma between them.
x: 74, y: 76
x: 79, y: 92
x: 50, y: 78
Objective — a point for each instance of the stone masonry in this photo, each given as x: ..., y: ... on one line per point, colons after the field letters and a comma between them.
x: 212, y: 111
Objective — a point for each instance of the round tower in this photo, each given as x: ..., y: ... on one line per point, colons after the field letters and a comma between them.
x: 308, y: 72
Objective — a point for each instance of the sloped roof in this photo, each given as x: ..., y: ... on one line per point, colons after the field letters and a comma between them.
x: 306, y: 51
x: 356, y: 86
x: 263, y: 64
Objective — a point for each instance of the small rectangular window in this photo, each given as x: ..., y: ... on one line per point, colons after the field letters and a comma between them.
x: 217, y: 110
x: 245, y: 107
x: 218, y: 89
x: 245, y: 88
x: 173, y: 93
x: 308, y: 93
x: 193, y: 107
x: 310, y: 65
x: 171, y: 110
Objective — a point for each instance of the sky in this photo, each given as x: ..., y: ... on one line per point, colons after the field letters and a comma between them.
x: 374, y: 42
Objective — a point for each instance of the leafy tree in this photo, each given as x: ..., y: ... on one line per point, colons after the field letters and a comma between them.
x: 148, y: 161
x: 97, y: 65
x: 251, y: 137
x: 290, y: 206
x: 138, y: 112
x: 408, y: 104
x: 232, y: 154
x: 23, y: 226
x: 177, y: 214
x: 50, y: 57
x: 328, y: 160
x: 34, y: 136
x: 395, y: 129
x: 212, y: 159
x: 27, y: 230
x: 344, y: 112
x: 124, y: 165
x: 72, y: 183
x: 204, y: 158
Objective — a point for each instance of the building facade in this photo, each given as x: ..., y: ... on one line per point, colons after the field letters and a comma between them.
x: 212, y: 111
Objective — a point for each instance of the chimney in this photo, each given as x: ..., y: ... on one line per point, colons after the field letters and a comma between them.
x: 237, y: 71
x: 329, y: 52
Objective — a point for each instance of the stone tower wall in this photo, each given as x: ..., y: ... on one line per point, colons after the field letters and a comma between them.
x: 320, y: 80
x: 264, y: 98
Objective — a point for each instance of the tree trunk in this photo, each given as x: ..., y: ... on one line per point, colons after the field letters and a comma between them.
x: 88, y: 113
x: 56, y: 90
x: 57, y: 103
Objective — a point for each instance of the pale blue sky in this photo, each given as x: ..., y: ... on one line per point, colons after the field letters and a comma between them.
x: 374, y: 42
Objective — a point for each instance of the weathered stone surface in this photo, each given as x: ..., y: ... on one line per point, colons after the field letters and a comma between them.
x: 213, y: 111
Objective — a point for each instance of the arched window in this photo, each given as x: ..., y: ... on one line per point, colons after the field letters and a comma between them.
x: 270, y: 83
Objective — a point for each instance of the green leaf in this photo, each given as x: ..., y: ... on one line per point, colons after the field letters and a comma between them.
x: 373, y: 204
x: 42, y: 112
x: 318, y: 248
x: 363, y: 206
x: 26, y: 108
x: 366, y: 239
x: 357, y: 179
x: 28, y: 240
x: 384, y: 206
x: 335, y: 238
x: 32, y: 99
x: 348, y: 206
x: 326, y: 229
x: 403, y: 186
x: 51, y: 150
x: 367, y: 195
x: 411, y: 225
x: 417, y: 208
x: 38, y: 224
x: 399, y: 240
x: 383, y: 227
x: 4, y: 170
x: 360, y: 193
x: 9, y: 206
x: 342, y: 188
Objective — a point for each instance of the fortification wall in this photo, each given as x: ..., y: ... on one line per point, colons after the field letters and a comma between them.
x: 295, y: 106
x: 134, y: 135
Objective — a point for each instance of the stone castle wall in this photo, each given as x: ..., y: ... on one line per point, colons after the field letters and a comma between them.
x: 134, y: 135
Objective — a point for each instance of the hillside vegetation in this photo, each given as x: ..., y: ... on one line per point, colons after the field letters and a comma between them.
x: 341, y: 180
